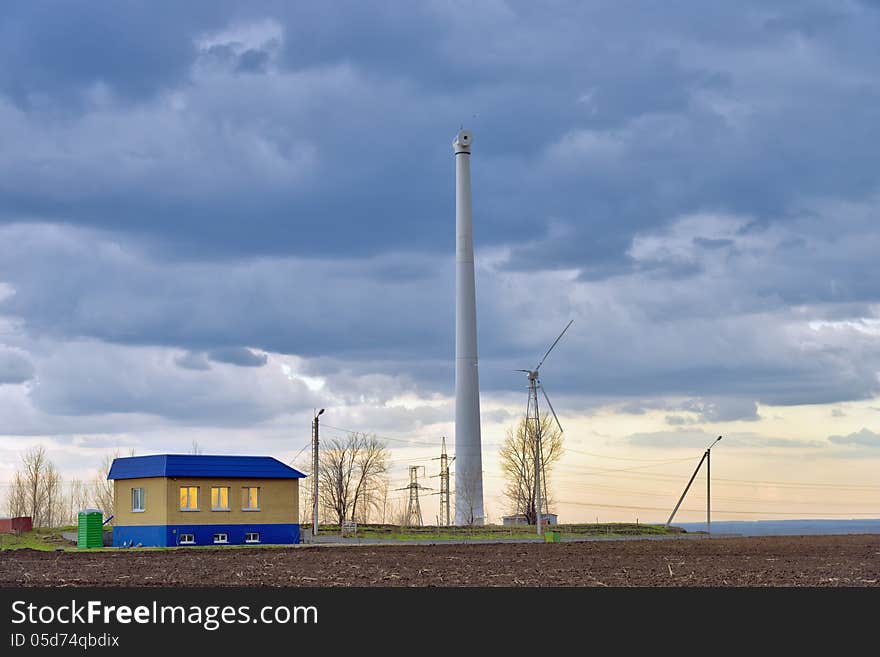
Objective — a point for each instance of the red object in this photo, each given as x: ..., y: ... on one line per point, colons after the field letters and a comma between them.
x: 18, y: 525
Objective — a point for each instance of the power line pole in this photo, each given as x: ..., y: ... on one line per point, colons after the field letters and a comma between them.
x: 445, y: 494
x: 709, y: 491
x: 315, y: 466
x: 706, y: 456
x: 413, y: 508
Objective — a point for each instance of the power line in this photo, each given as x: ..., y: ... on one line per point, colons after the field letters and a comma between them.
x: 630, y: 491
x: 769, y: 513
x: 408, y: 441
x: 616, y: 458
x: 658, y: 476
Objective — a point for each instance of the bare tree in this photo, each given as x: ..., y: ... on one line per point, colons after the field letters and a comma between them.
x: 469, y: 487
x: 196, y: 448
x: 382, y: 499
x: 36, y: 489
x: 33, y: 467
x: 17, y: 502
x: 79, y: 496
x: 102, y: 488
x: 518, y: 465
x: 351, y: 470
x: 53, y: 496
x: 371, y: 463
x: 305, y: 504
x: 397, y: 512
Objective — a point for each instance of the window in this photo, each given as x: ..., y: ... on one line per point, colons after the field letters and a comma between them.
x: 221, y: 538
x: 137, y: 500
x: 220, y: 498
x: 250, y: 499
x: 189, y: 498
x: 252, y: 537
x: 187, y: 539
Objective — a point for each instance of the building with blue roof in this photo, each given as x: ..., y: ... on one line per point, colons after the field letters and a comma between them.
x: 172, y: 500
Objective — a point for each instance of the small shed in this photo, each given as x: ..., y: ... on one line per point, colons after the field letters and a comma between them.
x: 17, y: 525
x: 520, y: 519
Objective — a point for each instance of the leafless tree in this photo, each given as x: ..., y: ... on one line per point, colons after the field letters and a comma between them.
x: 79, y: 497
x: 196, y: 447
x: 351, y: 470
x: 397, y: 512
x: 53, y: 496
x: 305, y: 504
x: 102, y: 488
x: 468, y: 492
x: 36, y: 489
x: 17, y: 502
x: 518, y: 465
x: 382, y: 496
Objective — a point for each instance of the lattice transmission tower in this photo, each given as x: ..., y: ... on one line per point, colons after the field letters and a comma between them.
x: 445, y: 493
x: 413, y: 508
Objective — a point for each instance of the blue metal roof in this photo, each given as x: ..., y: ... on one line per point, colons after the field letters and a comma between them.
x: 201, y: 465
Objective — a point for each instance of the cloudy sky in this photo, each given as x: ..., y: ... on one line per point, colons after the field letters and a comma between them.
x: 218, y: 216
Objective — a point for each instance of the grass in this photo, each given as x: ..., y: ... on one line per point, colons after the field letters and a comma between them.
x: 494, y: 532
x: 49, y: 539
x: 42, y: 538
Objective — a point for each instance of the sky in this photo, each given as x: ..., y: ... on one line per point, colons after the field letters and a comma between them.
x: 216, y: 217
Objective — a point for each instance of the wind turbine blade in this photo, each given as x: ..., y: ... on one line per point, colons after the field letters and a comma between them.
x: 554, y: 344
x: 551, y: 409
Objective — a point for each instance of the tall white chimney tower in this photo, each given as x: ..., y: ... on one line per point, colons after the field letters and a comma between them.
x: 468, y: 449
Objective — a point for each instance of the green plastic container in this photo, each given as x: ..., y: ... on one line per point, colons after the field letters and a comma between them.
x: 551, y: 536
x: 90, y: 529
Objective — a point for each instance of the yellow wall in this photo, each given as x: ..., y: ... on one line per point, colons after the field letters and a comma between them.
x: 155, y: 502
x: 279, y: 502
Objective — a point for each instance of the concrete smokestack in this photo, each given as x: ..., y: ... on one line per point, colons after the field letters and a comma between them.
x: 468, y: 448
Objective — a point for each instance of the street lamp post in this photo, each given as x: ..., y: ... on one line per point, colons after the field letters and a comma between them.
x: 315, y: 466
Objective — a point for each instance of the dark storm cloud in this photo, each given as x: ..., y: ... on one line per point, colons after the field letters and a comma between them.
x: 73, y: 283
x: 89, y: 378
x: 241, y: 356
x: 581, y: 117
x: 53, y: 51
x: 15, y: 366
x: 700, y: 195
x: 193, y: 361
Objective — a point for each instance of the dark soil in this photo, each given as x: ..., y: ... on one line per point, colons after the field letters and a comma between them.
x: 763, y: 561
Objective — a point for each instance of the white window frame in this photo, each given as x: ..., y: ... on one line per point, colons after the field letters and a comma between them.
x: 191, y: 541
x: 221, y: 508
x: 198, y: 496
x: 143, y: 500
x: 224, y: 540
x: 252, y: 540
x: 259, y: 495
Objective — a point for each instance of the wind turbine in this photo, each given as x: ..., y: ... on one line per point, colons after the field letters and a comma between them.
x: 534, y: 385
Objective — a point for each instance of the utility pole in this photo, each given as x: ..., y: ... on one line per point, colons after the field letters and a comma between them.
x: 706, y: 456
x: 413, y: 508
x: 445, y: 494
x: 709, y: 487
x: 315, y: 466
